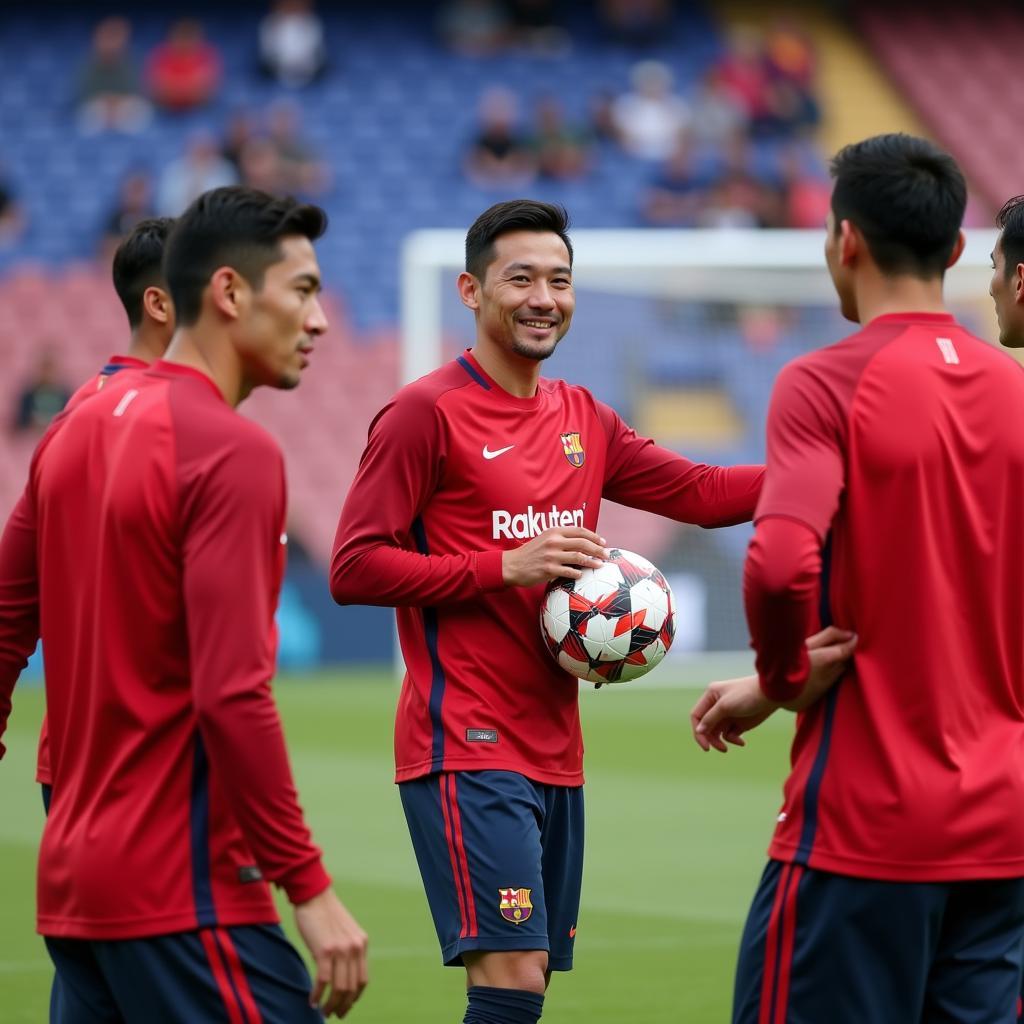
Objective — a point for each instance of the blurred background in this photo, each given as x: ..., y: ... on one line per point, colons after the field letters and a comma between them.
x: 399, y: 116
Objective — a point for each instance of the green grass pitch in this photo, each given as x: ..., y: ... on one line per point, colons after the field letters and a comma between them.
x: 675, y: 843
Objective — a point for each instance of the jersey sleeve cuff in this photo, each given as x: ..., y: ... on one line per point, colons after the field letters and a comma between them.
x: 304, y: 883
x: 488, y: 571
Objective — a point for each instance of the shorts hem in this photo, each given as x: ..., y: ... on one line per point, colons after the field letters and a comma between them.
x: 451, y: 954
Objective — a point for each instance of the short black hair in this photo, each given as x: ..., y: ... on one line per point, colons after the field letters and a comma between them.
x: 906, y: 196
x: 514, y: 215
x: 1010, y: 221
x: 236, y: 227
x: 138, y: 264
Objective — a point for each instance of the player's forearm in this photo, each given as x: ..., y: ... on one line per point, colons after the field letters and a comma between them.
x: 245, y: 748
x: 19, y: 603
x: 780, y: 589
x: 381, y: 574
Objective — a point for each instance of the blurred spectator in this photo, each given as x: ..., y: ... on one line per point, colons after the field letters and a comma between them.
x: 788, y: 112
x: 789, y: 55
x: 109, y: 90
x: 499, y: 155
x: 650, y: 118
x: 301, y: 171
x: 677, y: 191
x: 240, y: 131
x: 739, y: 198
x: 806, y: 192
x: 535, y: 26
x: 601, y: 119
x: 260, y: 166
x: 716, y: 116
x: 292, y: 43
x: 473, y: 28
x: 184, y: 71
x: 134, y: 203
x: 562, y: 150
x: 41, y: 399
x: 12, y: 217
x: 743, y: 73
x: 636, y: 22
x: 201, y: 168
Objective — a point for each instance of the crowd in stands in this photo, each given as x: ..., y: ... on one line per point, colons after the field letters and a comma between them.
x: 727, y: 147
x: 730, y: 152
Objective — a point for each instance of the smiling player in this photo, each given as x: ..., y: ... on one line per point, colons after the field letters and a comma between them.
x: 480, y: 483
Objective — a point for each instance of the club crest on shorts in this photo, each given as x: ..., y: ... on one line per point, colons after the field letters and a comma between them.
x: 573, y: 448
x: 515, y: 905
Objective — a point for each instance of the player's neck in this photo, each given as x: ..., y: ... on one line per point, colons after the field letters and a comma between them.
x: 878, y: 295
x: 218, y: 361
x: 512, y: 373
x: 147, y: 346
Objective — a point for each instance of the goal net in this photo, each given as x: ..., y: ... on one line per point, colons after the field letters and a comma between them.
x: 683, y: 333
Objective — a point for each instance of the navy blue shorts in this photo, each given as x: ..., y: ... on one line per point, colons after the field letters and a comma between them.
x: 501, y: 859
x: 244, y: 975
x: 824, y: 947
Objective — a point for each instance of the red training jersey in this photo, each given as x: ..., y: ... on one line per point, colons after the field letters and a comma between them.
x: 457, y: 471
x: 896, y: 476
x: 116, y: 365
x: 154, y: 529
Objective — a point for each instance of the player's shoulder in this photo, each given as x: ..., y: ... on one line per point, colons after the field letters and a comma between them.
x: 204, y: 424
x: 422, y: 396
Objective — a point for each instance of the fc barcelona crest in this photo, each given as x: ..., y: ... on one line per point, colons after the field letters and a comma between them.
x: 573, y: 448
x: 515, y: 905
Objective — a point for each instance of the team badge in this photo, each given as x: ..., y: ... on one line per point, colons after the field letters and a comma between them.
x: 515, y: 905
x: 573, y: 448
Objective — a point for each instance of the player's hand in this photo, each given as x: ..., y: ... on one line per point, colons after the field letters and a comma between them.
x: 338, y: 946
x: 726, y: 710
x: 729, y: 708
x: 830, y: 652
x: 562, y: 551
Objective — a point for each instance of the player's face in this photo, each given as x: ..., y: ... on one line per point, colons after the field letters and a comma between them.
x: 283, y: 318
x: 1006, y: 294
x: 838, y: 271
x: 526, y: 299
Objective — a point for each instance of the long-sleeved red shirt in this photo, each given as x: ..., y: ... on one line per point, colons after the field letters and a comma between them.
x: 153, y: 529
x: 457, y: 471
x: 894, y: 493
x: 121, y: 368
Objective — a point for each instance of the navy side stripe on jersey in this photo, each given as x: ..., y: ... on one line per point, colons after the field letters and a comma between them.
x: 202, y: 886
x: 437, y: 681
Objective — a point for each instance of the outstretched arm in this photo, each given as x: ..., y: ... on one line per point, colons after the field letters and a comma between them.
x: 644, y: 475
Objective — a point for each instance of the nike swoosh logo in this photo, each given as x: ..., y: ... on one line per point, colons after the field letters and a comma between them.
x: 488, y: 454
x: 572, y: 932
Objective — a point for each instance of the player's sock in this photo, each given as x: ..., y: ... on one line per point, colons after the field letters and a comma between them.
x: 502, y: 1006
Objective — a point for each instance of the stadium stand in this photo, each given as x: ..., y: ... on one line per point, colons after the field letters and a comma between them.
x: 956, y: 63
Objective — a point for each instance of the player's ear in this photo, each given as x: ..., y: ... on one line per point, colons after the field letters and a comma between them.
x: 469, y: 290
x: 851, y: 243
x: 157, y: 304
x: 227, y: 290
x: 1018, y: 284
x: 957, y: 249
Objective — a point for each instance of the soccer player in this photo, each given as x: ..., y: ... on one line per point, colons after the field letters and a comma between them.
x: 155, y: 542
x: 480, y: 483
x: 1007, y: 286
x: 140, y: 285
x: 892, y: 500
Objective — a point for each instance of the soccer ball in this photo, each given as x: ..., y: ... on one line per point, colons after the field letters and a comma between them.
x: 614, y: 623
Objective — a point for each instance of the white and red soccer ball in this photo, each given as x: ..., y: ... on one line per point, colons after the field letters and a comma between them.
x: 614, y: 623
